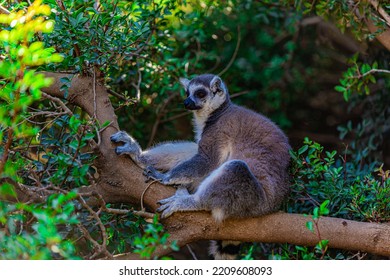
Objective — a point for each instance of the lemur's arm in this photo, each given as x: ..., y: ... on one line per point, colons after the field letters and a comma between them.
x: 162, y: 157
x: 184, y: 173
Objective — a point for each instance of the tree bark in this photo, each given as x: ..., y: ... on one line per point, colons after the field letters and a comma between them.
x: 120, y: 180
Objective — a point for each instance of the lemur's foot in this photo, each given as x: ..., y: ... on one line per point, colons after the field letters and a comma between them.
x: 168, y: 206
x: 181, y: 201
x: 130, y: 146
x: 121, y: 137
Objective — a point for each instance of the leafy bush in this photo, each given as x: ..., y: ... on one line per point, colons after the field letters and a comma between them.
x: 28, y: 231
x: 354, y: 192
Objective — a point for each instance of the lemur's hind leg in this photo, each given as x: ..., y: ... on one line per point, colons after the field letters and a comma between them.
x: 229, y: 191
x: 162, y: 157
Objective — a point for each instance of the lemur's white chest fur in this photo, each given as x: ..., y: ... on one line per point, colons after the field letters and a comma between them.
x: 201, y: 116
x: 199, y: 124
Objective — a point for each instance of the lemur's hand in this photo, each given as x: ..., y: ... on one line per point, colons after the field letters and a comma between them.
x: 152, y: 174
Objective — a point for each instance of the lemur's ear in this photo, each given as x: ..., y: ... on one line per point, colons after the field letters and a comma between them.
x: 217, y: 86
x: 184, y: 82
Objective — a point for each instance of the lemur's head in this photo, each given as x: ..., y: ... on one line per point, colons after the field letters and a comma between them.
x: 206, y: 92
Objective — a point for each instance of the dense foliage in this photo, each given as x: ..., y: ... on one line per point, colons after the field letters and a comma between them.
x: 270, y: 54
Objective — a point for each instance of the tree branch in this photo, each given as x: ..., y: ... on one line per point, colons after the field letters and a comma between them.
x: 380, y: 10
x: 384, y: 36
x: 121, y: 180
x: 281, y: 228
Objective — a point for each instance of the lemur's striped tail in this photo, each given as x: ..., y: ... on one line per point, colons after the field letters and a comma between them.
x: 224, y: 250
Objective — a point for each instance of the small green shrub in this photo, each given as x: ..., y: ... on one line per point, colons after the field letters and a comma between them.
x: 153, y: 236
x: 355, y: 192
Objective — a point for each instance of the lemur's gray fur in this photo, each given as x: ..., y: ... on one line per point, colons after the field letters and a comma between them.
x: 237, y: 167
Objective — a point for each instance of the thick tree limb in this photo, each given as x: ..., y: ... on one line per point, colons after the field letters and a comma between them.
x: 119, y: 179
x: 283, y: 228
x: 122, y: 181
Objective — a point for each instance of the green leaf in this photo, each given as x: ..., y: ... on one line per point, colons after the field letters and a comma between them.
x: 74, y: 144
x: 7, y: 190
x: 365, y: 68
x: 316, y: 214
x: 323, y: 208
x: 56, y: 58
x: 310, y: 226
x: 74, y: 123
x: 303, y: 149
x: 372, y: 79
x: 340, y: 88
x: 324, y: 243
x: 346, y: 95
x: 35, y: 46
x: 366, y: 90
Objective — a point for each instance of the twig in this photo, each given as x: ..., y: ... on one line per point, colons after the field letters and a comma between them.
x: 178, y: 116
x: 120, y: 96
x: 235, y: 52
x: 143, y: 194
x: 47, y: 114
x: 161, y: 112
x: 191, y: 252
x: 103, y: 206
x: 99, y: 248
x: 33, y: 193
x: 142, y: 214
x: 138, y: 85
x: 237, y: 94
x: 102, y: 247
x: 100, y: 131
x: 59, y: 102
x: 359, y: 76
x: 6, y: 149
x: 4, y: 10
x: 359, y: 255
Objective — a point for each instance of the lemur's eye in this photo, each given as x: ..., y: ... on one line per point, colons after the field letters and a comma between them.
x: 200, y: 93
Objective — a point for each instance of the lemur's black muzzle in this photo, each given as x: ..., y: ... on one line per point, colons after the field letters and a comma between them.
x: 189, y: 104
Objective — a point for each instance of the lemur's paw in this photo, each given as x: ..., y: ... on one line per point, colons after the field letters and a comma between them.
x: 127, y: 144
x: 120, y: 137
x: 152, y: 174
x: 121, y: 150
x: 168, y: 206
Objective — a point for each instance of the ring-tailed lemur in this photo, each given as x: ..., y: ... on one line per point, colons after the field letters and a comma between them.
x: 237, y: 167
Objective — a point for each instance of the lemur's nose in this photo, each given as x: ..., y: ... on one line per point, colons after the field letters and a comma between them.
x: 189, y: 104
